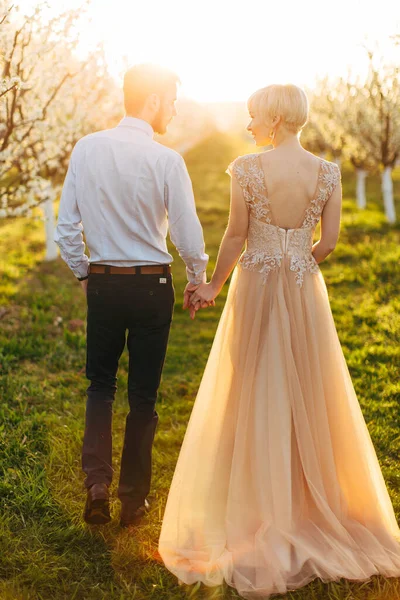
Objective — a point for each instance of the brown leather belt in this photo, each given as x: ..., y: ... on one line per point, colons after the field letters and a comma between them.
x: 139, y: 270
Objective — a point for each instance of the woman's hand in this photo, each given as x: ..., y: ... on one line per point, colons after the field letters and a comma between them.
x: 204, y: 295
x: 228, y: 254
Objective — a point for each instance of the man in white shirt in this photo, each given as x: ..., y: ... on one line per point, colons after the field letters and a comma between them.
x: 124, y: 190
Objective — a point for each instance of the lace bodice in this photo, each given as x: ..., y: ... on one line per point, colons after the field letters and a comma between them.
x: 268, y: 243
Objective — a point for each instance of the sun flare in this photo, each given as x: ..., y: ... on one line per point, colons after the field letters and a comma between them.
x: 225, y: 50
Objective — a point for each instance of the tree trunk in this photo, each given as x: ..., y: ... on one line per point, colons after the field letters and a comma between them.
x: 387, y: 191
x: 361, y: 198
x: 51, y: 246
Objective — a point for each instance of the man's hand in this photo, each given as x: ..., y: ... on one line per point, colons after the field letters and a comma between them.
x: 84, y: 285
x: 189, y: 291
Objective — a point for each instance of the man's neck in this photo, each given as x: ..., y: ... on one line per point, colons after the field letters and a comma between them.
x: 141, y: 124
x: 141, y: 117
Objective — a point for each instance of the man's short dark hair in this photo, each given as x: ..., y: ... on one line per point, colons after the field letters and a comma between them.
x: 140, y: 81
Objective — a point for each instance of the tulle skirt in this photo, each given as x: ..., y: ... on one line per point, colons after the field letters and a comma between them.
x: 277, y: 480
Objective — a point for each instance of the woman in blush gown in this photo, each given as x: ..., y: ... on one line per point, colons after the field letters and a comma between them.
x: 277, y: 480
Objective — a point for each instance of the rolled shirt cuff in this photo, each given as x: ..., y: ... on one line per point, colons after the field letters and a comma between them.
x: 77, y: 262
x: 196, y: 279
x: 81, y: 271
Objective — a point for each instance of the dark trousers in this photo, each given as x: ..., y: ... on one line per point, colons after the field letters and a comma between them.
x: 141, y: 304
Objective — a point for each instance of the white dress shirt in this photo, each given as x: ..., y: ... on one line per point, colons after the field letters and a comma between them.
x: 124, y: 190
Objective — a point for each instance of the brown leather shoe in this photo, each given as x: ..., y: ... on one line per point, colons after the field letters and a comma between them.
x: 131, y: 515
x: 97, y: 508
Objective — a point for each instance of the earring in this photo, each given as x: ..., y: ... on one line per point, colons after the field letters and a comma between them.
x: 272, y: 135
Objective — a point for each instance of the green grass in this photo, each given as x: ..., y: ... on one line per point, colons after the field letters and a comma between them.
x: 46, y: 551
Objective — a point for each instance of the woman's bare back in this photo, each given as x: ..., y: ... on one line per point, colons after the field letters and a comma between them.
x: 291, y: 178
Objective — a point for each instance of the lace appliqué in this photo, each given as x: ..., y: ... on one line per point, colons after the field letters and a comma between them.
x: 267, y: 244
x: 251, y: 179
x: 328, y: 179
x: 301, y: 265
x: 300, y: 252
x: 264, y: 251
x: 261, y: 262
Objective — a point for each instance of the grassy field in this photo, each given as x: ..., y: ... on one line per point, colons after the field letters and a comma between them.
x: 46, y: 551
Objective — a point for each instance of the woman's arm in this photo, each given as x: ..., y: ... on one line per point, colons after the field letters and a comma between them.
x: 330, y: 226
x: 230, y: 248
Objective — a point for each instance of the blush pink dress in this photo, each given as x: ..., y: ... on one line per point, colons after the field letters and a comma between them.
x: 277, y: 480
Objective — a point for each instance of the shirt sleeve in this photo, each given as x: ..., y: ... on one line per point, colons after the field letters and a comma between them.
x: 68, y: 234
x: 185, y: 229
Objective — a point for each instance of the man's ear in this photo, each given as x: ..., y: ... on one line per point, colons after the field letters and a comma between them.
x: 154, y: 102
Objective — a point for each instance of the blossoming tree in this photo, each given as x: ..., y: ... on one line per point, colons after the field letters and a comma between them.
x: 48, y: 100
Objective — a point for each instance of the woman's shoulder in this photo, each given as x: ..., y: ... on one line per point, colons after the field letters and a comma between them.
x: 330, y: 171
x: 241, y: 163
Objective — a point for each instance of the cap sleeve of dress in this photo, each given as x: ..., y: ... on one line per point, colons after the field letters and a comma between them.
x: 237, y: 167
x: 332, y: 178
x: 230, y: 168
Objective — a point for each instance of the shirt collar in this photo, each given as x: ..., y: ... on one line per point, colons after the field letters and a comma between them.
x: 137, y: 124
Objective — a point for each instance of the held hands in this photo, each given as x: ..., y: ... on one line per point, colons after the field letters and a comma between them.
x: 187, y: 295
x: 189, y: 289
x: 200, y: 296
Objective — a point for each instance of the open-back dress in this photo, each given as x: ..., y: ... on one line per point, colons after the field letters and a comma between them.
x: 277, y: 480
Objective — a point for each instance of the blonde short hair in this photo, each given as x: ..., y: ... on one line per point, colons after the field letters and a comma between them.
x: 288, y: 101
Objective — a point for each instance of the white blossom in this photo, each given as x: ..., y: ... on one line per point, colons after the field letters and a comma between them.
x: 49, y: 100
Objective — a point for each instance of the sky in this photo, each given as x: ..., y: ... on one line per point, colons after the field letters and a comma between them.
x: 224, y: 50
